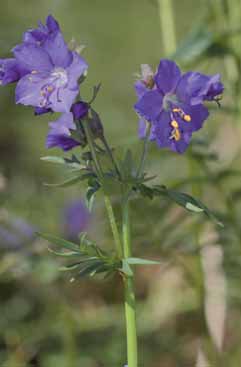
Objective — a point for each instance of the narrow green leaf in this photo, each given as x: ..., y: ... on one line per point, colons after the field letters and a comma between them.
x: 137, y: 261
x: 53, y: 159
x: 69, y: 182
x: 90, y: 268
x: 65, y: 254
x: 59, y: 241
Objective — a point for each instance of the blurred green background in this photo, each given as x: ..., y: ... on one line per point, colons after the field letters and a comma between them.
x: 189, y: 308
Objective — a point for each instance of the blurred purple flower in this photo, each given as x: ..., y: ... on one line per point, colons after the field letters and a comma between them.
x: 16, y: 233
x: 76, y: 219
x: 173, y: 104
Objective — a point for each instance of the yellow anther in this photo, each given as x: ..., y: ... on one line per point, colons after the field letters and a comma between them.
x: 177, y: 135
x: 176, y: 110
x: 174, y: 124
x: 42, y: 93
x: 34, y: 72
x: 187, y: 118
x: 50, y: 88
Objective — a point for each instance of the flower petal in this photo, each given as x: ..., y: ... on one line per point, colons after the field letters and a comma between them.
x: 62, y: 99
x: 167, y: 76
x: 54, y: 139
x: 150, y: 105
x: 162, y: 130
x: 58, y: 51
x: 33, y: 57
x: 140, y: 88
x: 76, y: 69
x: 197, y: 113
x: 52, y: 24
x: 28, y: 90
x: 181, y: 145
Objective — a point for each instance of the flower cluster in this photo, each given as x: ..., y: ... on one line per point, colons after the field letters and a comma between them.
x: 47, y: 73
x: 173, y: 104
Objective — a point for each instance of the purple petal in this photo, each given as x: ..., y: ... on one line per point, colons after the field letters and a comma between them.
x: 181, y: 145
x: 10, y: 71
x: 62, y: 99
x: 52, y: 24
x: 58, y: 51
x: 28, y: 90
x: 167, y: 76
x: 41, y: 110
x: 54, y: 139
x: 162, y: 130
x: 194, y: 88
x: 215, y: 88
x: 77, y: 68
x: 150, y: 105
x: 140, y: 88
x: 198, y: 114
x: 39, y: 35
x: 33, y: 57
x: 64, y: 123
x: 60, y: 135
x: 142, y: 128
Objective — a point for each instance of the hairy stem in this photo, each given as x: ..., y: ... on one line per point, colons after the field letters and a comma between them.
x: 130, y: 305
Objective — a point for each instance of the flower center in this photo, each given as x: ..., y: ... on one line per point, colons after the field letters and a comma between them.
x: 60, y: 77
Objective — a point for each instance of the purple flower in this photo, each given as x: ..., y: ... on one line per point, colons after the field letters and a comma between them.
x: 60, y: 133
x: 173, y: 104
x: 54, y: 71
x: 76, y: 219
x: 70, y: 124
x: 10, y: 71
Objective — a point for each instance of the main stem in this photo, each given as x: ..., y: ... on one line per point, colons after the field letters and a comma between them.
x: 130, y: 304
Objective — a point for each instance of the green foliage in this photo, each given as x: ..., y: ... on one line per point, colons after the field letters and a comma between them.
x: 90, y: 259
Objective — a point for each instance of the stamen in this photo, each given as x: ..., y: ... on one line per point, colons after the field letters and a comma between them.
x: 187, y: 118
x: 34, y: 72
x: 50, y: 88
x: 183, y: 115
x: 176, y: 134
x: 174, y: 124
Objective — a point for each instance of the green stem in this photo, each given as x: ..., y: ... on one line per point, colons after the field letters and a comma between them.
x: 144, y: 152
x: 108, y: 204
x: 92, y: 149
x: 167, y: 23
x: 113, y: 225
x: 108, y: 149
x: 130, y: 305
